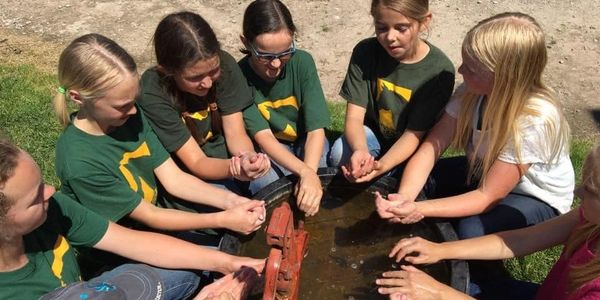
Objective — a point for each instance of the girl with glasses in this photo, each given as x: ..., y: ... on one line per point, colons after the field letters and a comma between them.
x: 396, y: 86
x: 194, y: 99
x: 290, y: 99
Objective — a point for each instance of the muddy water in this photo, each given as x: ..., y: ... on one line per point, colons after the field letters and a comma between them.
x: 348, y: 247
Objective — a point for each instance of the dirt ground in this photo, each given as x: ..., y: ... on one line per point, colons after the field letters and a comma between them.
x: 36, y: 31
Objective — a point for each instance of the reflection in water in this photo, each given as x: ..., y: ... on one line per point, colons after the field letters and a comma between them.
x: 348, y: 247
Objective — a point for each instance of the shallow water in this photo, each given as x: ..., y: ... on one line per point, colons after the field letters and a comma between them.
x: 348, y: 247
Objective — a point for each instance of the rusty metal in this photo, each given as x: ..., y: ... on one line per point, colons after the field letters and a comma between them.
x: 288, y: 248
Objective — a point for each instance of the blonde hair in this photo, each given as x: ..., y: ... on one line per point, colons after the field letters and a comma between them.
x: 91, y: 65
x: 512, y: 47
x: 581, y: 274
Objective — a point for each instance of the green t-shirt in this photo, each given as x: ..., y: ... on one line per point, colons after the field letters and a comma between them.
x: 165, y: 116
x: 52, y: 263
x: 292, y: 105
x: 110, y: 174
x: 397, y: 96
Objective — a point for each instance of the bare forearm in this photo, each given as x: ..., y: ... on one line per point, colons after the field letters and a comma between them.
x: 157, y: 249
x: 402, y: 149
x: 313, y: 148
x: 514, y: 243
x: 467, y: 204
x: 192, y: 189
x: 355, y: 136
x: 178, y: 220
x: 240, y: 144
x: 210, y: 168
x: 416, y: 172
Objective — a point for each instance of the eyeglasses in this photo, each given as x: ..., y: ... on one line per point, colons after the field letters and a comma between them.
x: 265, y: 58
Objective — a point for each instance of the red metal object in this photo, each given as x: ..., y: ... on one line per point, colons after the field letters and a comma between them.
x: 288, y: 248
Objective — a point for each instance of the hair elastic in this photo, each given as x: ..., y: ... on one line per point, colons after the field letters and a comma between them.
x: 62, y: 90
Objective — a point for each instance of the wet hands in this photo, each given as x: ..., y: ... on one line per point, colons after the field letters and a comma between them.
x: 245, y: 217
x: 308, y: 192
x: 361, y: 164
x: 410, y: 283
x: 397, y: 208
x: 248, y: 166
x: 425, y: 252
x: 230, y: 287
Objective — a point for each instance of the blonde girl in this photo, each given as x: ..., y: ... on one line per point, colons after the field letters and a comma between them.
x: 109, y: 159
x: 517, y: 171
x: 576, y: 274
x: 397, y: 85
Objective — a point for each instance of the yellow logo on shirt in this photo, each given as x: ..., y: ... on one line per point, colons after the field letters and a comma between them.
x: 398, y: 90
x: 60, y: 248
x: 264, y: 106
x: 148, y: 192
x: 386, y: 116
x: 288, y: 133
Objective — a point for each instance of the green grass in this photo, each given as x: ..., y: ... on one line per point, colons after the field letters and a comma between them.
x: 26, y: 116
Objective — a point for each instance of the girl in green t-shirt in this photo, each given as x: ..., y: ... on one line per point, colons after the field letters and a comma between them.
x: 40, y: 228
x: 397, y: 85
x: 289, y: 97
x: 194, y: 99
x: 109, y: 159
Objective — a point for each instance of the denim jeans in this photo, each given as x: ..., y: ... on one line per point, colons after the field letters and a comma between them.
x: 277, y: 171
x: 340, y: 151
x: 503, y: 289
x: 448, y: 178
x: 176, y: 284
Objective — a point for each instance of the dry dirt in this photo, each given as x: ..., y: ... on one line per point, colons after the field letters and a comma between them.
x: 36, y: 31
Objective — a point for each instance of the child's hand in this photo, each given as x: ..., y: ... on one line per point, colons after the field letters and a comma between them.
x: 254, y: 165
x: 385, y: 206
x: 426, y: 252
x: 231, y: 286
x: 397, y: 208
x: 361, y: 163
x: 411, y: 283
x: 244, y: 218
x: 308, y: 192
x: 377, y: 170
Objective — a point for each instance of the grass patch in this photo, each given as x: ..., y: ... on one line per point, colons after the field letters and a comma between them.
x: 26, y: 116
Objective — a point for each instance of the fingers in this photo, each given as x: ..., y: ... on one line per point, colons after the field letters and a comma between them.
x: 405, y: 247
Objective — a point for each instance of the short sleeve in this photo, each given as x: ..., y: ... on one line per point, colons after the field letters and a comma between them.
x: 82, y: 226
x: 233, y: 93
x: 356, y: 86
x: 162, y: 115
x: 532, y: 143
x: 314, y: 107
x: 453, y: 106
x: 429, y: 101
x: 254, y: 121
x: 106, y: 195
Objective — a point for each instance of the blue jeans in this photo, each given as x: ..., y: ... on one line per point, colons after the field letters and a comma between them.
x: 341, y: 152
x: 277, y: 171
x: 503, y: 289
x: 449, y: 178
x: 176, y: 284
